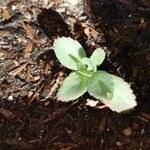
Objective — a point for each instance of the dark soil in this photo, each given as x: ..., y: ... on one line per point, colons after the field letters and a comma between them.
x: 31, y: 116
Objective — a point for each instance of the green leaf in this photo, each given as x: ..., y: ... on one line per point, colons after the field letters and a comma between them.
x: 69, y: 52
x: 123, y: 97
x: 89, y: 63
x: 113, y: 91
x: 98, y: 56
x: 74, y: 86
x: 101, y: 85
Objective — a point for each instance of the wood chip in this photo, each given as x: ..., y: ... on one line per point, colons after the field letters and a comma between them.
x: 146, y: 115
x: 16, y: 63
x: 28, y: 72
x: 18, y: 69
x: 87, y: 31
x: 6, y: 113
x: 72, y: 19
x: 35, y: 78
x: 5, y: 53
x: 4, y: 33
x: 55, y: 84
x: 32, y: 98
x: 29, y: 30
x: 45, y: 2
x: 28, y: 49
x: 30, y: 93
x: 5, y: 14
x: 55, y: 115
x: 142, y: 131
x: 127, y: 131
x: 46, y: 103
x: 93, y: 32
x: 46, y: 67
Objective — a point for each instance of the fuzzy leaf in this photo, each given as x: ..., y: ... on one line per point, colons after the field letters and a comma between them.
x: 113, y: 91
x: 89, y: 63
x: 123, y: 97
x: 74, y: 86
x: 101, y: 85
x: 98, y: 56
x: 68, y: 52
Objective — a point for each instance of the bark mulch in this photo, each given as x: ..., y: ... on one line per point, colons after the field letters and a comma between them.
x: 31, y: 116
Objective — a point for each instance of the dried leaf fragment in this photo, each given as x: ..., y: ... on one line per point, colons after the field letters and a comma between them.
x: 18, y: 69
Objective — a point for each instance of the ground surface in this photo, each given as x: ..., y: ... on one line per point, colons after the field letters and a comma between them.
x: 30, y: 115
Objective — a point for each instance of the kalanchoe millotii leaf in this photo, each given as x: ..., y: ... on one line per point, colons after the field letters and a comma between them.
x: 69, y: 52
x: 123, y: 97
x: 90, y: 66
x: 101, y: 85
x: 113, y: 91
x: 74, y: 86
x: 98, y: 56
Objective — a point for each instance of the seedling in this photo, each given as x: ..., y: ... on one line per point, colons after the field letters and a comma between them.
x: 111, y: 90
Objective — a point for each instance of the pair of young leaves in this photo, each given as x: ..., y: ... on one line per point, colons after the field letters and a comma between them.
x: 113, y: 91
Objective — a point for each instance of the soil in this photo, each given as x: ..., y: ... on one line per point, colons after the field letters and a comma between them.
x: 31, y: 116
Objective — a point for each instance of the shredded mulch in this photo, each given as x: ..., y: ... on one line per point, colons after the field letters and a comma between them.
x: 31, y: 116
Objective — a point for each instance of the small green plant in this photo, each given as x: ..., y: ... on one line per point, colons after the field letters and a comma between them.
x: 111, y: 90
